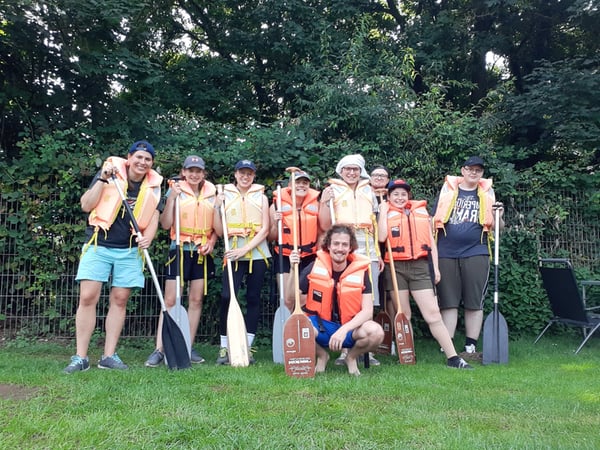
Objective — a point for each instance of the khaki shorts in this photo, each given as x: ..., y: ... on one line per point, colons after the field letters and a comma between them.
x: 411, y: 275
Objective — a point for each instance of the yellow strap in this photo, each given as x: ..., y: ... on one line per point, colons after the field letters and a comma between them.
x: 376, y: 234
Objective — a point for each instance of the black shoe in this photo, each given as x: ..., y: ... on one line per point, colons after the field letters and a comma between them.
x: 459, y: 363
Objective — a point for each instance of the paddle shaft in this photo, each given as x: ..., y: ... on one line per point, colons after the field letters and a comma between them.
x: 297, y: 309
x: 406, y: 350
x: 496, y: 254
x: 236, y: 326
x: 177, y: 257
x: 226, y: 244
x: 280, y: 245
x: 394, y: 278
x: 139, y: 234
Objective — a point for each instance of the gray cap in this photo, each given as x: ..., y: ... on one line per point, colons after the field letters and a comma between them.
x: 194, y: 161
x: 299, y: 175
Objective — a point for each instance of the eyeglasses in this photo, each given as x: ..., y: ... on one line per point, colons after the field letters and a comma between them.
x: 351, y: 169
x: 379, y: 175
x: 473, y: 169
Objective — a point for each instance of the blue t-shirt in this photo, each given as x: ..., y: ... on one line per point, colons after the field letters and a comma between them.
x: 464, y: 235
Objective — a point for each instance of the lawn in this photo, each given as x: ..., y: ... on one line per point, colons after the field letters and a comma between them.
x: 546, y: 397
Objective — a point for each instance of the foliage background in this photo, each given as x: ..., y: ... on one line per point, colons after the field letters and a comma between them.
x: 417, y: 86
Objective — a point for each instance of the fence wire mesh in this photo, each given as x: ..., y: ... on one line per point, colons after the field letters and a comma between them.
x: 43, y: 302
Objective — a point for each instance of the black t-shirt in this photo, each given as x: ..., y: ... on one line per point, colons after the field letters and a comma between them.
x: 120, y: 233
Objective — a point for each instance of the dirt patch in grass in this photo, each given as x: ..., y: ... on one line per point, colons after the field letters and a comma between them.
x: 16, y: 392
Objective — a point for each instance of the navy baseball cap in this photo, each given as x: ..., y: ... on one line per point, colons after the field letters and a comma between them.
x: 144, y: 146
x: 245, y: 164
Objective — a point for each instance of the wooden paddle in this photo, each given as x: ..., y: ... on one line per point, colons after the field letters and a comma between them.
x: 299, y: 350
x: 175, y: 346
x: 495, y: 329
x: 282, y: 313
x: 384, y: 319
x: 403, y: 331
x: 237, y: 338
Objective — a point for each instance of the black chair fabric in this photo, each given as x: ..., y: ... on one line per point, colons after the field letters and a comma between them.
x: 566, y: 302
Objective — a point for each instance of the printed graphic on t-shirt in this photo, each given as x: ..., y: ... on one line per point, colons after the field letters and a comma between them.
x: 465, y: 210
x: 463, y: 235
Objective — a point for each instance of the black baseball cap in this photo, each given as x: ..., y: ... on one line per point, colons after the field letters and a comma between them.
x: 474, y: 161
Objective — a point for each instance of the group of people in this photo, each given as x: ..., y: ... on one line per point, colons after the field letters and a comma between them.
x: 339, y: 249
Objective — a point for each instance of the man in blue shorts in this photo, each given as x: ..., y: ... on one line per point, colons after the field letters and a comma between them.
x: 337, y: 297
x: 112, y: 250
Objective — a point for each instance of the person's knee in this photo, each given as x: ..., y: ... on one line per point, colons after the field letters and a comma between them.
x: 374, y: 331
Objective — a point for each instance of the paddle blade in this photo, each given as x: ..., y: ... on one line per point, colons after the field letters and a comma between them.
x: 281, y: 316
x: 176, y: 349
x: 383, y: 319
x: 299, y: 347
x: 404, y: 340
x: 495, y: 339
x: 237, y: 338
x: 179, y: 314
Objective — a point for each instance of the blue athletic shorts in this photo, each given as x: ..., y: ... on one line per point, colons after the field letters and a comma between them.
x: 123, y: 265
x: 329, y: 329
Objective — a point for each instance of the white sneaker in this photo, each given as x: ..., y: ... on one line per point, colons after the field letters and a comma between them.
x: 341, y: 360
x: 470, y: 348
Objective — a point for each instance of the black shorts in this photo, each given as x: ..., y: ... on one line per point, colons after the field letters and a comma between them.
x: 193, y: 266
x: 464, y: 280
x: 304, y: 262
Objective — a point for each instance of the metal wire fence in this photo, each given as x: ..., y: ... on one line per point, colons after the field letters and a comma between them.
x: 37, y: 302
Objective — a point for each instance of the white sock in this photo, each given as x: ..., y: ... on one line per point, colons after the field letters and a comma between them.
x: 250, y: 339
x: 224, y: 341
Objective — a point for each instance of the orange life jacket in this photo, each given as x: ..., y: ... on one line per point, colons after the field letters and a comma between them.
x: 409, y: 231
x: 319, y: 299
x: 351, y: 206
x: 308, y: 228
x: 195, y: 213
x: 447, y: 200
x: 105, y: 212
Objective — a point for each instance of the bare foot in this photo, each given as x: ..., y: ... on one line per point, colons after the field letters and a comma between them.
x: 321, y: 363
x: 352, y: 365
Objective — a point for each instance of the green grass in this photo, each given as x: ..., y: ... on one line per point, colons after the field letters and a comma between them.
x: 546, y: 397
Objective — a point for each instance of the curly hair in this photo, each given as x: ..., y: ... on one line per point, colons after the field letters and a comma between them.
x: 340, y: 228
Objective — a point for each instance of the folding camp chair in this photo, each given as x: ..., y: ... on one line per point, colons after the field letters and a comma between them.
x: 566, y: 300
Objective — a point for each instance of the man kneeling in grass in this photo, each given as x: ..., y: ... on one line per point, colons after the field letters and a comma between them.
x: 337, y: 297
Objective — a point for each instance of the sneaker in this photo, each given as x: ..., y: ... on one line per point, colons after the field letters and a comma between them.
x: 112, y: 362
x: 78, y: 364
x: 459, y: 363
x: 471, y: 353
x: 196, y: 358
x: 341, y: 360
x: 223, y: 356
x: 155, y: 359
x: 252, y: 351
x: 372, y: 360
